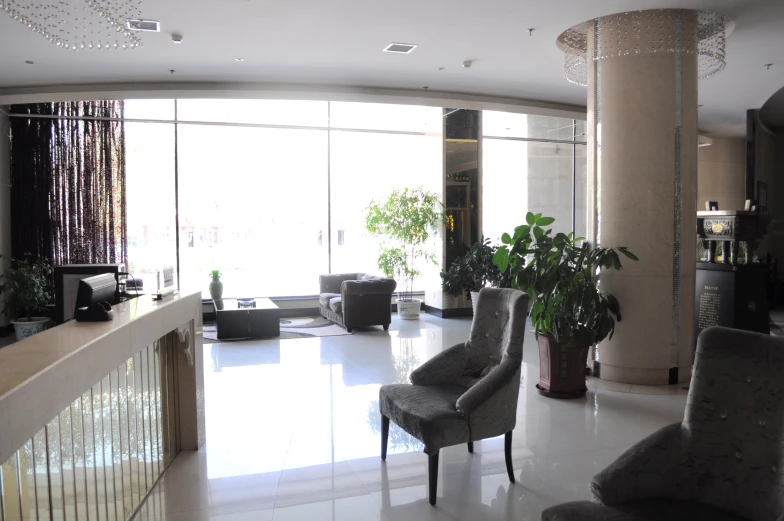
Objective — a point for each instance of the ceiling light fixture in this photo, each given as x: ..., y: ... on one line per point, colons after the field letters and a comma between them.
x: 239, y: 59
x: 29, y: 62
x: 704, y: 36
x: 400, y: 48
x: 79, y: 25
x: 177, y: 38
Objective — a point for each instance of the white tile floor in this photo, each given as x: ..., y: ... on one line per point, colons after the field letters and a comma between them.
x: 293, y: 432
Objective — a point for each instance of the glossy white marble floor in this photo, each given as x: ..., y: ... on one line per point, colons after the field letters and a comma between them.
x: 293, y: 432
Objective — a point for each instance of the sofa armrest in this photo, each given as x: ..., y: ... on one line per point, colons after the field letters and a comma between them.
x: 650, y: 469
x: 444, y: 368
x: 489, y: 386
x: 332, y: 283
x: 376, y: 286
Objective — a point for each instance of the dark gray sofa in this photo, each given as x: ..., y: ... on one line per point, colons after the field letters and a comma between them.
x: 723, y: 462
x: 356, y: 299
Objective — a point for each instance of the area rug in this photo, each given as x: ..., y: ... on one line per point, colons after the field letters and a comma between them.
x: 294, y: 327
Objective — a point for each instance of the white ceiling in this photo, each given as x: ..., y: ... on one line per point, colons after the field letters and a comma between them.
x: 339, y: 42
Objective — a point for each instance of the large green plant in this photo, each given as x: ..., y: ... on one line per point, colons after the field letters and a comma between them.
x: 561, y: 276
x: 473, y: 271
x: 25, y: 287
x: 406, y: 220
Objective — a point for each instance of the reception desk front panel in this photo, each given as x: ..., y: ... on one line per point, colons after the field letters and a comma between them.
x: 100, y: 454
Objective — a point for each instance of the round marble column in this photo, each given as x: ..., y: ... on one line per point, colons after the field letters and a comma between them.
x: 642, y: 71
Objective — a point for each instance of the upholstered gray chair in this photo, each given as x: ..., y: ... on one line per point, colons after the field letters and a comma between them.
x: 468, y: 392
x: 723, y: 462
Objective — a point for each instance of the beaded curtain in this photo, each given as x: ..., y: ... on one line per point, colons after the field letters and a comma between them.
x: 68, y: 182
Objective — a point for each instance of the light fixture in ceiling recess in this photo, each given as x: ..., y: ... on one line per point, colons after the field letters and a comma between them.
x: 646, y: 33
x: 148, y: 26
x: 29, y: 62
x: 400, y: 48
x: 176, y: 38
x: 239, y: 59
x: 79, y: 25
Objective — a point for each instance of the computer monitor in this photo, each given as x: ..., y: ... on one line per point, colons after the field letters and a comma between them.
x: 66, y: 285
x: 96, y: 289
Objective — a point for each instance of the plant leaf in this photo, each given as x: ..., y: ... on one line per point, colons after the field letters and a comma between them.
x: 530, y: 218
x: 506, y: 239
x: 627, y: 253
x: 545, y: 221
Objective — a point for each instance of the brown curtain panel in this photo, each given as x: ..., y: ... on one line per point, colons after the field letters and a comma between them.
x: 68, y: 182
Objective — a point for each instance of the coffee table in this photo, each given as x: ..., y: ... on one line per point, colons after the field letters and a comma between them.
x: 246, y: 318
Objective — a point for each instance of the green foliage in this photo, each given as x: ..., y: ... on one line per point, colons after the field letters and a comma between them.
x: 406, y: 221
x: 473, y: 271
x: 562, y: 279
x: 216, y: 274
x: 25, y: 287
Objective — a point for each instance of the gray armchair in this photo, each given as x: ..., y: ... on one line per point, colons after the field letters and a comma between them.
x: 468, y: 392
x: 356, y: 299
x: 725, y: 461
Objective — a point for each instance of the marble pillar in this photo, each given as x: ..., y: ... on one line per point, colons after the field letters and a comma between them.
x: 642, y: 106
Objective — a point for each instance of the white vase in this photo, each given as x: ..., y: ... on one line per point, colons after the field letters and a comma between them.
x: 474, y: 300
x: 26, y: 328
x: 409, y: 309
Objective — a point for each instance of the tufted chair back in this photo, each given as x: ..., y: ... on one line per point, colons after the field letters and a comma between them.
x: 733, y: 427
x: 498, y: 327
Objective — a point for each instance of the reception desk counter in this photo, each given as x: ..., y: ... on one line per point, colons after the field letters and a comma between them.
x: 92, y: 413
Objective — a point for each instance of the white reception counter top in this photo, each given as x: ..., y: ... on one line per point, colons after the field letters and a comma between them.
x: 41, y: 375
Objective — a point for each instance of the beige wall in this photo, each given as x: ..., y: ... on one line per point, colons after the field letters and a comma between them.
x: 721, y: 174
x: 5, y: 195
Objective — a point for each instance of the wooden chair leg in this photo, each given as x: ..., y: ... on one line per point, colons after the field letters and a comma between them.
x: 432, y: 476
x: 508, y: 455
x: 471, y: 447
x: 384, y: 436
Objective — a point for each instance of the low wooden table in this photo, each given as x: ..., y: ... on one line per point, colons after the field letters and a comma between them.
x: 246, y: 318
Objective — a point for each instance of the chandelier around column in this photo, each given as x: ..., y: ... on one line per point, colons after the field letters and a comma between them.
x: 648, y: 32
x: 79, y: 25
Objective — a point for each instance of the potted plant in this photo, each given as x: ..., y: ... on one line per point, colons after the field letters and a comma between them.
x: 406, y: 220
x: 568, y: 311
x: 473, y: 271
x: 24, y: 286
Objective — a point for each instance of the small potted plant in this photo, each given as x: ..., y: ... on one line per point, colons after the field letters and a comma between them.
x: 473, y: 271
x: 406, y: 221
x: 568, y: 311
x: 24, y: 286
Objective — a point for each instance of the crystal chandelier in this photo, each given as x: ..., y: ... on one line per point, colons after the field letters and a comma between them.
x: 79, y: 25
x: 648, y: 32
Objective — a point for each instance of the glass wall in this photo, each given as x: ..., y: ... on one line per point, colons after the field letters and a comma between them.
x: 369, y: 165
x: 252, y: 204
x: 532, y: 164
x: 273, y: 192
x: 269, y: 192
x: 150, y: 190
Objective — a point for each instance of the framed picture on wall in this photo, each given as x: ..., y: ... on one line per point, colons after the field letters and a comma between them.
x: 762, y: 196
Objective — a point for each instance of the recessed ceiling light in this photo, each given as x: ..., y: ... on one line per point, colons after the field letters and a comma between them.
x: 29, y: 62
x: 239, y: 59
x: 400, y: 48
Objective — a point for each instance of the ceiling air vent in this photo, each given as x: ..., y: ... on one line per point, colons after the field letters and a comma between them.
x: 400, y: 48
x: 152, y: 26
